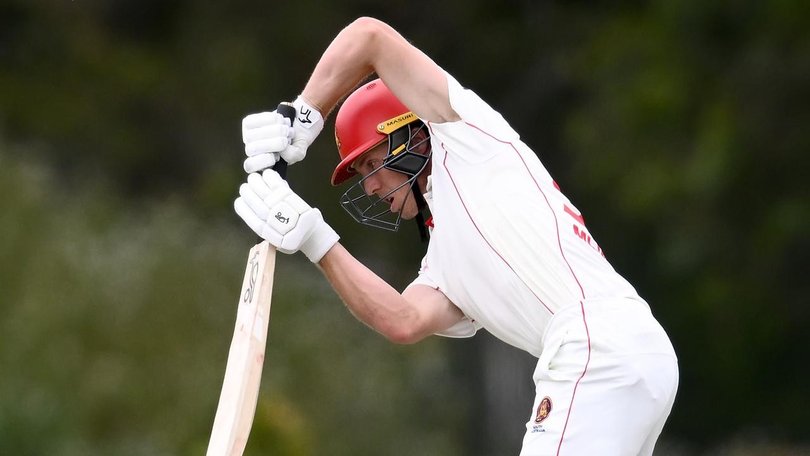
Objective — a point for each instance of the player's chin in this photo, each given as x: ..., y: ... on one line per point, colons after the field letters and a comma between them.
x: 409, y: 212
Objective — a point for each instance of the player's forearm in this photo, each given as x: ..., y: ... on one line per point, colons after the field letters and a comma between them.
x: 370, y: 46
x: 347, y: 61
x: 369, y: 298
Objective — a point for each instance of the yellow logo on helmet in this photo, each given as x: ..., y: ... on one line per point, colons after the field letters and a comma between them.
x: 395, y: 123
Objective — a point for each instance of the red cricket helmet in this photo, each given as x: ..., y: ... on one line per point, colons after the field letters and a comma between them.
x: 366, y: 119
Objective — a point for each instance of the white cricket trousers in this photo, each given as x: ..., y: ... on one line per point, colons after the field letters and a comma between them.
x: 605, y: 382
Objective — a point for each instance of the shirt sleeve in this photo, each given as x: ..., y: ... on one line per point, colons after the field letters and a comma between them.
x: 466, y: 327
x: 476, y: 112
x: 479, y: 133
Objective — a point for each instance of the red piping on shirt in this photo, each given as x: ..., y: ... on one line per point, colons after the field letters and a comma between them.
x: 444, y: 164
x: 562, y: 253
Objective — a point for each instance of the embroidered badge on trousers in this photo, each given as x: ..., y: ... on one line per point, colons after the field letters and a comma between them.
x: 543, y: 410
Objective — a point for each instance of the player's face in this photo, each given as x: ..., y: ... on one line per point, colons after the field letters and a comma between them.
x: 386, y: 184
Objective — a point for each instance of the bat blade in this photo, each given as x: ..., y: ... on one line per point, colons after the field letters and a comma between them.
x: 240, y: 388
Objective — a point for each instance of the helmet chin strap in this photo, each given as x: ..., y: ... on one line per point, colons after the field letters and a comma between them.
x: 404, y: 160
x: 421, y: 204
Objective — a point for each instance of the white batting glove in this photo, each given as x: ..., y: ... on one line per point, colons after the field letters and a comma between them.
x: 265, y: 135
x: 269, y: 135
x: 307, y: 126
x: 277, y: 214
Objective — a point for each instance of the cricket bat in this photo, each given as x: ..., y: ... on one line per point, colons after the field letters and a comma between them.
x: 243, y: 373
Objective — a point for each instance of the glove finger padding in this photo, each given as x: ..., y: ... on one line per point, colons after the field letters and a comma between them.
x: 254, y: 201
x: 255, y: 222
x: 294, y: 153
x: 273, y: 188
x: 260, y: 162
x: 266, y: 146
x: 274, y: 212
x: 265, y: 135
x: 270, y: 131
x: 258, y: 185
x: 260, y: 120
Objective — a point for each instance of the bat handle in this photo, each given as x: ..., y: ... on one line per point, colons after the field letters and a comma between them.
x: 287, y: 110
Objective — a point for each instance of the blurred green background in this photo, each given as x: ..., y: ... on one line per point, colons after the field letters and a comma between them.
x: 680, y: 129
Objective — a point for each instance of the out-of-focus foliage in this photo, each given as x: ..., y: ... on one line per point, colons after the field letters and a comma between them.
x: 116, y: 324
x: 678, y: 128
x: 693, y: 131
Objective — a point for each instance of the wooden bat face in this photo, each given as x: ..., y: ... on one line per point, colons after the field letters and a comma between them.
x: 240, y: 389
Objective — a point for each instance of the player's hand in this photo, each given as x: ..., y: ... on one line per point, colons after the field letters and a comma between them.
x: 269, y: 135
x: 277, y: 214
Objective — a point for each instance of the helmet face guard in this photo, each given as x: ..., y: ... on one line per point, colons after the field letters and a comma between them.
x: 402, y: 157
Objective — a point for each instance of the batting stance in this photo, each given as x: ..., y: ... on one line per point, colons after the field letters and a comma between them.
x: 507, y: 252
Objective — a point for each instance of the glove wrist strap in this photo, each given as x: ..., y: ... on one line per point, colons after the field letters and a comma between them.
x: 321, y: 240
x: 308, y: 116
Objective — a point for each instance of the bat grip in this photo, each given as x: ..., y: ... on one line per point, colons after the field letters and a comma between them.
x: 287, y: 110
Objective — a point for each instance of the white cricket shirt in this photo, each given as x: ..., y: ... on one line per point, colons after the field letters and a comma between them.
x: 507, y: 247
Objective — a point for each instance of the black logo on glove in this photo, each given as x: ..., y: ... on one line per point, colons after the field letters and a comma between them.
x: 282, y: 219
x: 304, y: 115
